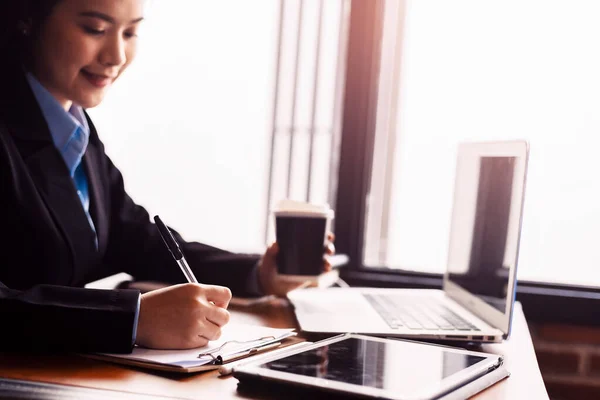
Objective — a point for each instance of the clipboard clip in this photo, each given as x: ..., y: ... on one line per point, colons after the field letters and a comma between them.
x: 223, y: 359
x: 211, y: 353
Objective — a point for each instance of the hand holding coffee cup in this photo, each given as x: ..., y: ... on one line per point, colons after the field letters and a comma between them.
x: 303, y: 238
x: 301, y: 232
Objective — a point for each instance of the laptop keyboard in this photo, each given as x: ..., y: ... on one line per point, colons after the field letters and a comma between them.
x: 417, y: 313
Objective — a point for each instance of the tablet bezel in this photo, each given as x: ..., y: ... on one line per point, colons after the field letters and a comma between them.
x: 448, y: 384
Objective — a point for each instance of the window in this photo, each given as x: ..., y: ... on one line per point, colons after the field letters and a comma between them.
x: 472, y: 70
x: 200, y: 125
x: 423, y: 76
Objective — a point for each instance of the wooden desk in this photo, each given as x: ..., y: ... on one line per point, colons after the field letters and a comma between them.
x: 525, y: 380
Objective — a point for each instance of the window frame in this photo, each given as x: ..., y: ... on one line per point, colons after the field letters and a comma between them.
x: 542, y: 302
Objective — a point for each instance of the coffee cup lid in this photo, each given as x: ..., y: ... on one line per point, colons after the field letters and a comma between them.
x: 303, y: 209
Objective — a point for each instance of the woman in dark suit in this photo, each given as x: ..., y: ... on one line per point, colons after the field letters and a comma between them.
x: 65, y: 215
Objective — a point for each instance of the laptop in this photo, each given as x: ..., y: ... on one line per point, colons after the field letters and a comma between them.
x: 477, y: 298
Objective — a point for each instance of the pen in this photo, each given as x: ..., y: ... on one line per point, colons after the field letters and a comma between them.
x: 173, y: 247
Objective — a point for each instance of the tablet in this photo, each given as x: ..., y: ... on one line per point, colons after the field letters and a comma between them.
x: 366, y: 366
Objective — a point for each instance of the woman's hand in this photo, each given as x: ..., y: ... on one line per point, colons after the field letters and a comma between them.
x: 182, y: 316
x: 272, y: 282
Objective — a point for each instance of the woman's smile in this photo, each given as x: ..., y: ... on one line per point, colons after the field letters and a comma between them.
x: 97, y: 80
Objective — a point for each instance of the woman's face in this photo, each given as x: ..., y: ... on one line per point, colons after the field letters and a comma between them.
x: 84, y: 46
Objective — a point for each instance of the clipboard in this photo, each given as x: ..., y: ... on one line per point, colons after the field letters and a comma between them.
x: 238, y: 341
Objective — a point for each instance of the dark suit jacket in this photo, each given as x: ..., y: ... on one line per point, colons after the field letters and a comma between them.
x: 47, y: 250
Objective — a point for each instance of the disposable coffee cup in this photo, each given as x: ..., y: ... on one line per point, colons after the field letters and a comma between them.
x: 301, y: 233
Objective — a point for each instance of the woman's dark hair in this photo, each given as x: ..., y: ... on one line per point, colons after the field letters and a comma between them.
x: 20, y: 24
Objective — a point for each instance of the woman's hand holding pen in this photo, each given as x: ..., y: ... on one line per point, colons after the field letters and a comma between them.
x: 272, y: 282
x: 182, y: 316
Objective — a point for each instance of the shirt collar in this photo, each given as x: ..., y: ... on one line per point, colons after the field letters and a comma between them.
x: 62, y: 124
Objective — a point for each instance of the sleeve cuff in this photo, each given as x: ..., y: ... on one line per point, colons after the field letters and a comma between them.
x: 135, y: 320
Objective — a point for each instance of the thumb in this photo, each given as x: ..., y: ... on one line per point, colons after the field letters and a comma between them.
x: 270, y: 257
x: 273, y: 249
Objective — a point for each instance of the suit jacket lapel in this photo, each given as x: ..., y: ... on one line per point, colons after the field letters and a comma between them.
x: 60, y: 196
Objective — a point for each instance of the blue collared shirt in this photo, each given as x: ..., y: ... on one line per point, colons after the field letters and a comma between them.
x: 70, y: 134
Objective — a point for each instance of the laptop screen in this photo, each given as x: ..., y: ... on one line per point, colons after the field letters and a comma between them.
x: 485, y: 225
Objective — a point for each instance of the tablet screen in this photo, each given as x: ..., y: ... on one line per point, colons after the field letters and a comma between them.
x: 395, y: 366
